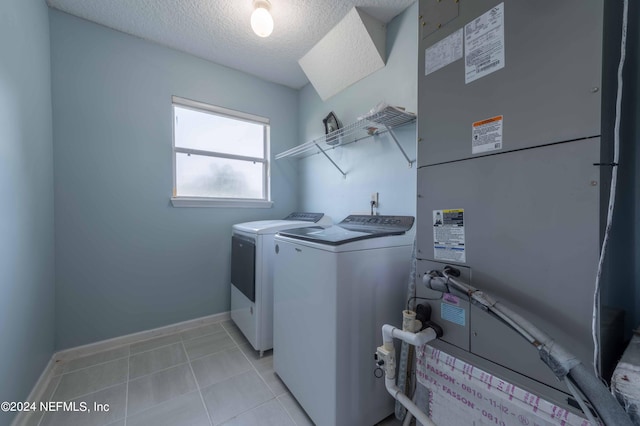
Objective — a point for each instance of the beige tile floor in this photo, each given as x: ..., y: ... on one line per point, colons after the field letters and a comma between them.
x: 208, y: 375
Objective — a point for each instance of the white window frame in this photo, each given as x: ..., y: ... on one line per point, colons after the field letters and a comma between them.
x: 182, y: 201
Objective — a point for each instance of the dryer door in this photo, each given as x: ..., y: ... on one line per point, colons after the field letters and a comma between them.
x: 243, y: 262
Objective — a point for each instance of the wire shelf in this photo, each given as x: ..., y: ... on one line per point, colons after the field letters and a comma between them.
x: 373, y: 124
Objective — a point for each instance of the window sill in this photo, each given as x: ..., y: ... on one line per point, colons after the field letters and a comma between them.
x: 219, y: 202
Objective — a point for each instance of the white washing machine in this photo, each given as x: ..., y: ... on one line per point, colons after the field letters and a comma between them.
x: 334, y: 288
x: 252, y: 274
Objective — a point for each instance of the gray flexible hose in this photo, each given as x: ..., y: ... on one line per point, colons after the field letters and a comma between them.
x: 406, y: 353
x: 605, y: 404
x: 557, y: 358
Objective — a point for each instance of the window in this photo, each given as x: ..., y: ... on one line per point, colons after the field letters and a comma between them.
x: 220, y: 156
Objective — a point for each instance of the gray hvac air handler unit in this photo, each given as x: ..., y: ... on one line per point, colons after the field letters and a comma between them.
x: 515, y: 109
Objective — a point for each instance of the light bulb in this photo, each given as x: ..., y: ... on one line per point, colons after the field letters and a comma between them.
x: 261, y: 20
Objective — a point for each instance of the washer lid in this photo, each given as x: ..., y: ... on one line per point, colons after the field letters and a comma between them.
x: 294, y: 220
x: 268, y: 226
x: 353, y: 228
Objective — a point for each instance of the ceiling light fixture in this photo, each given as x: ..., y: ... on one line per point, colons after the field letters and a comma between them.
x: 261, y: 20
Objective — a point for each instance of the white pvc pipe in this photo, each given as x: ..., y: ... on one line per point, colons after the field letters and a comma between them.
x: 390, y: 332
x: 407, y: 419
x: 408, y: 404
x: 415, y: 339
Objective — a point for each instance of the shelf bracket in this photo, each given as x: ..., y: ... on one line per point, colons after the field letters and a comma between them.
x: 344, y: 175
x: 395, y: 139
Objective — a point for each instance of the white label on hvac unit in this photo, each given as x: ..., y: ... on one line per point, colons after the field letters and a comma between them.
x: 484, y: 44
x: 443, y: 53
x: 448, y: 235
x: 486, y: 135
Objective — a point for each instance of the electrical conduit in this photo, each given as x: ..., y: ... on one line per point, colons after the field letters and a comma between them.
x: 558, y: 359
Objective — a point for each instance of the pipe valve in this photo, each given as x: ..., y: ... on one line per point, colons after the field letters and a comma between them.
x: 386, y: 359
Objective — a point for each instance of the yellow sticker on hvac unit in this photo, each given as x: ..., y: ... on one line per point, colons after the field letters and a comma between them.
x: 448, y: 235
x: 486, y: 135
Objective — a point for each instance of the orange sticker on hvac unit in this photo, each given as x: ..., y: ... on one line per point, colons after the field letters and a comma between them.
x: 486, y: 135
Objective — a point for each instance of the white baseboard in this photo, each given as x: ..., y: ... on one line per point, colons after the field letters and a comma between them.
x: 104, y: 345
x: 36, y: 394
x: 52, y: 371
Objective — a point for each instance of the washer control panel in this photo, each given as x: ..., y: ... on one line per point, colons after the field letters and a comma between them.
x: 308, y: 217
x: 377, y: 223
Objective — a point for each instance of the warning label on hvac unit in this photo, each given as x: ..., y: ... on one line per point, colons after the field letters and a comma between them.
x: 448, y: 235
x: 486, y: 135
x: 484, y: 44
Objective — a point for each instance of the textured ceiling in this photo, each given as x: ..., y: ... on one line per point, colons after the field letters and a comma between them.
x: 220, y: 31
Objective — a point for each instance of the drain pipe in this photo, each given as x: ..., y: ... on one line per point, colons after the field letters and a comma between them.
x: 407, y: 419
x: 386, y: 359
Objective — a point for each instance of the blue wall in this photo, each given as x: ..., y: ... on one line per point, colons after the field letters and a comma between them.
x: 26, y: 217
x: 373, y: 164
x: 126, y: 260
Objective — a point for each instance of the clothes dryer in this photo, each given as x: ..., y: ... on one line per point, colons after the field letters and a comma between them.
x: 252, y: 274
